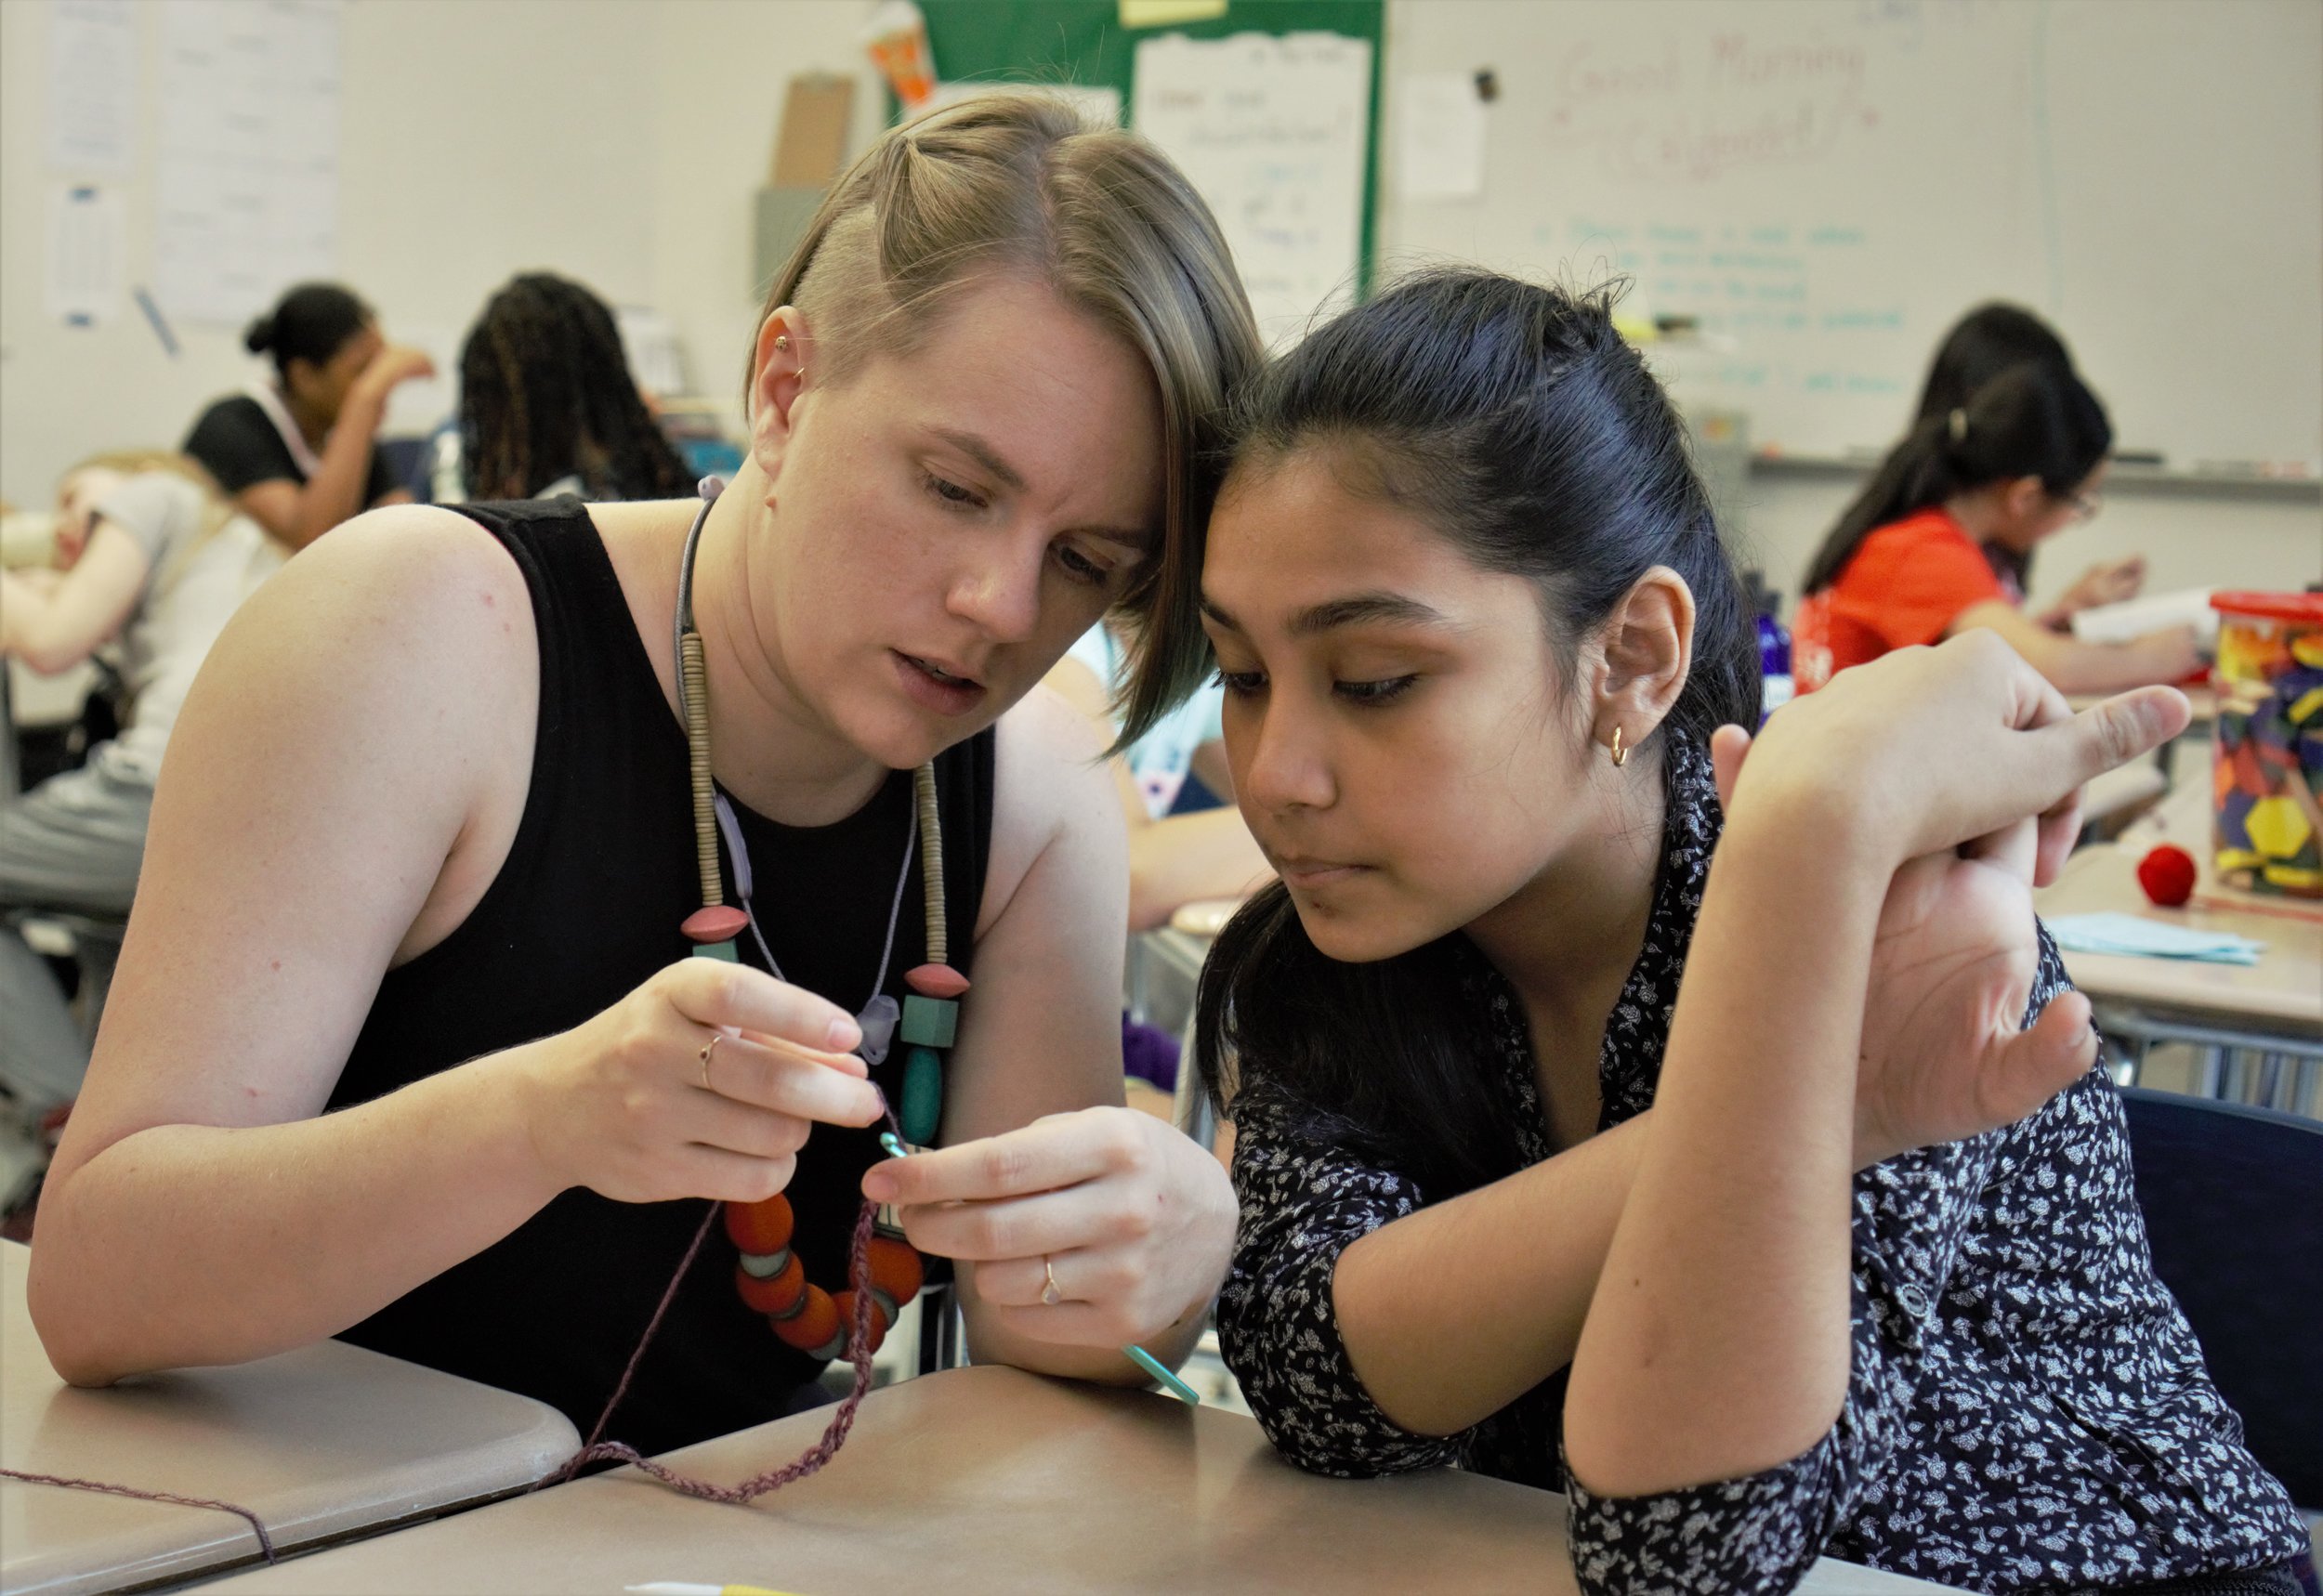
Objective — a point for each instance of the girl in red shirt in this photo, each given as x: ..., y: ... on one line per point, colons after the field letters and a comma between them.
x: 1932, y: 545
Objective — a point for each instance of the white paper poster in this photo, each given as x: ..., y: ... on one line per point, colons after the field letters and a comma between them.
x: 247, y: 188
x: 92, y: 86
x: 84, y: 273
x: 1274, y: 131
x: 1439, y: 139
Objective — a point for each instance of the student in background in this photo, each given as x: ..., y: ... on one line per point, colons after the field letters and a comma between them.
x: 1990, y: 340
x: 548, y: 405
x: 1926, y: 551
x: 297, y: 454
x: 1559, y: 1045
x: 148, y: 553
x: 1173, y: 860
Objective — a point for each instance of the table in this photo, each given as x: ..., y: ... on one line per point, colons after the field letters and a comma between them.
x: 990, y: 1479
x: 2271, y: 1011
x: 323, y: 1443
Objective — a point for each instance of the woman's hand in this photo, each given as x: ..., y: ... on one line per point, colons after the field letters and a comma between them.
x: 629, y: 1105
x: 1133, y: 1220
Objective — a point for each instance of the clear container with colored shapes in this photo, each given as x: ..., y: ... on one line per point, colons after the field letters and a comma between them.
x: 2269, y: 752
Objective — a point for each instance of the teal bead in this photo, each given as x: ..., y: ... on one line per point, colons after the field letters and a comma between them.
x: 718, y: 950
x: 923, y: 1096
x: 929, y: 1022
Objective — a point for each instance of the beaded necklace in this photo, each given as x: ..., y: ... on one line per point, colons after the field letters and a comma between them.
x: 768, y: 1275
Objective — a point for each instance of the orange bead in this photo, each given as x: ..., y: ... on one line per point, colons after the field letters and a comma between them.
x: 760, y: 1227
x: 844, y: 1302
x: 718, y: 923
x: 936, y: 981
x: 814, y: 1326
x: 896, y: 1271
x: 776, y: 1293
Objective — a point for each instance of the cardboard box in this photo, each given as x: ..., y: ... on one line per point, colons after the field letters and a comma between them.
x: 810, y: 146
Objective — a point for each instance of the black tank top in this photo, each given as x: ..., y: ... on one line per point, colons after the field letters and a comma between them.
x: 587, y: 907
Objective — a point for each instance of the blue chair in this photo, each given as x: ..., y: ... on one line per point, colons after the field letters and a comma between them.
x: 2234, y: 1210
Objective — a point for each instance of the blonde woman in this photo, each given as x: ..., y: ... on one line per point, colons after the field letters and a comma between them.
x: 409, y: 1049
x: 150, y: 556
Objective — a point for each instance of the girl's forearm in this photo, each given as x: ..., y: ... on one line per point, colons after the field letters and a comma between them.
x: 188, y: 1244
x: 1718, y: 1344
x: 335, y: 494
x: 1452, y: 1313
x: 1180, y: 858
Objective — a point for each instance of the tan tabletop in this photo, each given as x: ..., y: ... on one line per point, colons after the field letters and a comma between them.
x: 325, y: 1441
x: 991, y: 1480
x: 2281, y: 993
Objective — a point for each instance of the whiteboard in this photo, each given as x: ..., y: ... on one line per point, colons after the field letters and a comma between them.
x: 1827, y: 184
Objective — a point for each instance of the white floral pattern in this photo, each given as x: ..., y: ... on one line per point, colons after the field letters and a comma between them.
x: 2027, y: 1410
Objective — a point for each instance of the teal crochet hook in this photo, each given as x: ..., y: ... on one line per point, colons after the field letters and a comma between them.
x: 1138, y: 1355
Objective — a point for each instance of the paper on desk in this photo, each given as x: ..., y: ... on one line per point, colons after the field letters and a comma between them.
x: 2150, y: 612
x: 2136, y: 936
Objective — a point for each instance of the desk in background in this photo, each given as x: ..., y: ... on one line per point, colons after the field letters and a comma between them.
x: 988, y: 1479
x: 2259, y: 1027
x: 324, y: 1443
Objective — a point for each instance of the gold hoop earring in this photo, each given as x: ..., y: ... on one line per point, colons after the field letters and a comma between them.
x: 1620, y: 754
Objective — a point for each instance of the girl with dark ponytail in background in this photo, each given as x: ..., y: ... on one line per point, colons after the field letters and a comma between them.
x: 298, y: 454
x: 1937, y: 543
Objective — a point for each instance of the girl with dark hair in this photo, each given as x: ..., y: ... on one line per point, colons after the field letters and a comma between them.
x: 1931, y: 546
x: 1769, y: 1188
x: 297, y: 455
x: 1988, y: 340
x: 548, y: 404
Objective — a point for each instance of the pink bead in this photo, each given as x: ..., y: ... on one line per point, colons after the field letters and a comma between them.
x: 718, y: 923
x: 936, y: 981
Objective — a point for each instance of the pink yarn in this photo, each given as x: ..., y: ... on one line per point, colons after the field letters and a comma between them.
x: 265, y: 1541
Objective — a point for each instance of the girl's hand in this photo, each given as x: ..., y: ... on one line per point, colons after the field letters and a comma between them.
x: 394, y: 364
x: 1926, y: 749
x: 2108, y: 581
x: 1134, y: 1220
x: 627, y: 1104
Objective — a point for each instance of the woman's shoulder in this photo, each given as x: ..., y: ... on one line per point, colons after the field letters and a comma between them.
x: 1052, y: 795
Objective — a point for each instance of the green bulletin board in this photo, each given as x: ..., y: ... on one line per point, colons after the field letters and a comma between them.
x: 1083, y: 42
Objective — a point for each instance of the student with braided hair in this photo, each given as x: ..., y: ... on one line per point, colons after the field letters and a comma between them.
x: 548, y: 404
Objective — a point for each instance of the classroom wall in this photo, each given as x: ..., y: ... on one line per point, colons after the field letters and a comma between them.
x: 621, y: 140
x: 475, y: 140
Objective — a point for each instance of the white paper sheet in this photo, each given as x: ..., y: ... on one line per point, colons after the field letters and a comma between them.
x: 93, y: 86
x: 85, y: 271
x: 1274, y: 131
x: 1440, y: 129
x: 249, y: 180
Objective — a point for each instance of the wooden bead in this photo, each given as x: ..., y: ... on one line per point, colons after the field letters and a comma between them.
x: 714, y: 922
x: 776, y: 1295
x: 936, y: 981
x: 760, y: 1227
x: 929, y: 1022
x: 923, y: 1097
x: 844, y: 1302
x: 813, y: 1325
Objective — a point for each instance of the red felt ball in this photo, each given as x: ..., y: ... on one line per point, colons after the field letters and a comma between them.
x: 844, y: 1302
x: 2168, y: 875
x: 776, y: 1292
x: 759, y: 1227
x: 717, y: 922
x: 936, y: 981
x: 896, y: 1269
x: 814, y: 1326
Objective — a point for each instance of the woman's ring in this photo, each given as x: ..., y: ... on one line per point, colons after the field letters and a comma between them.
x: 707, y: 1049
x: 1050, y: 1295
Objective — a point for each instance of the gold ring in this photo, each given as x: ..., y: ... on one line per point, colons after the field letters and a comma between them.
x: 707, y: 1049
x: 1050, y: 1295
